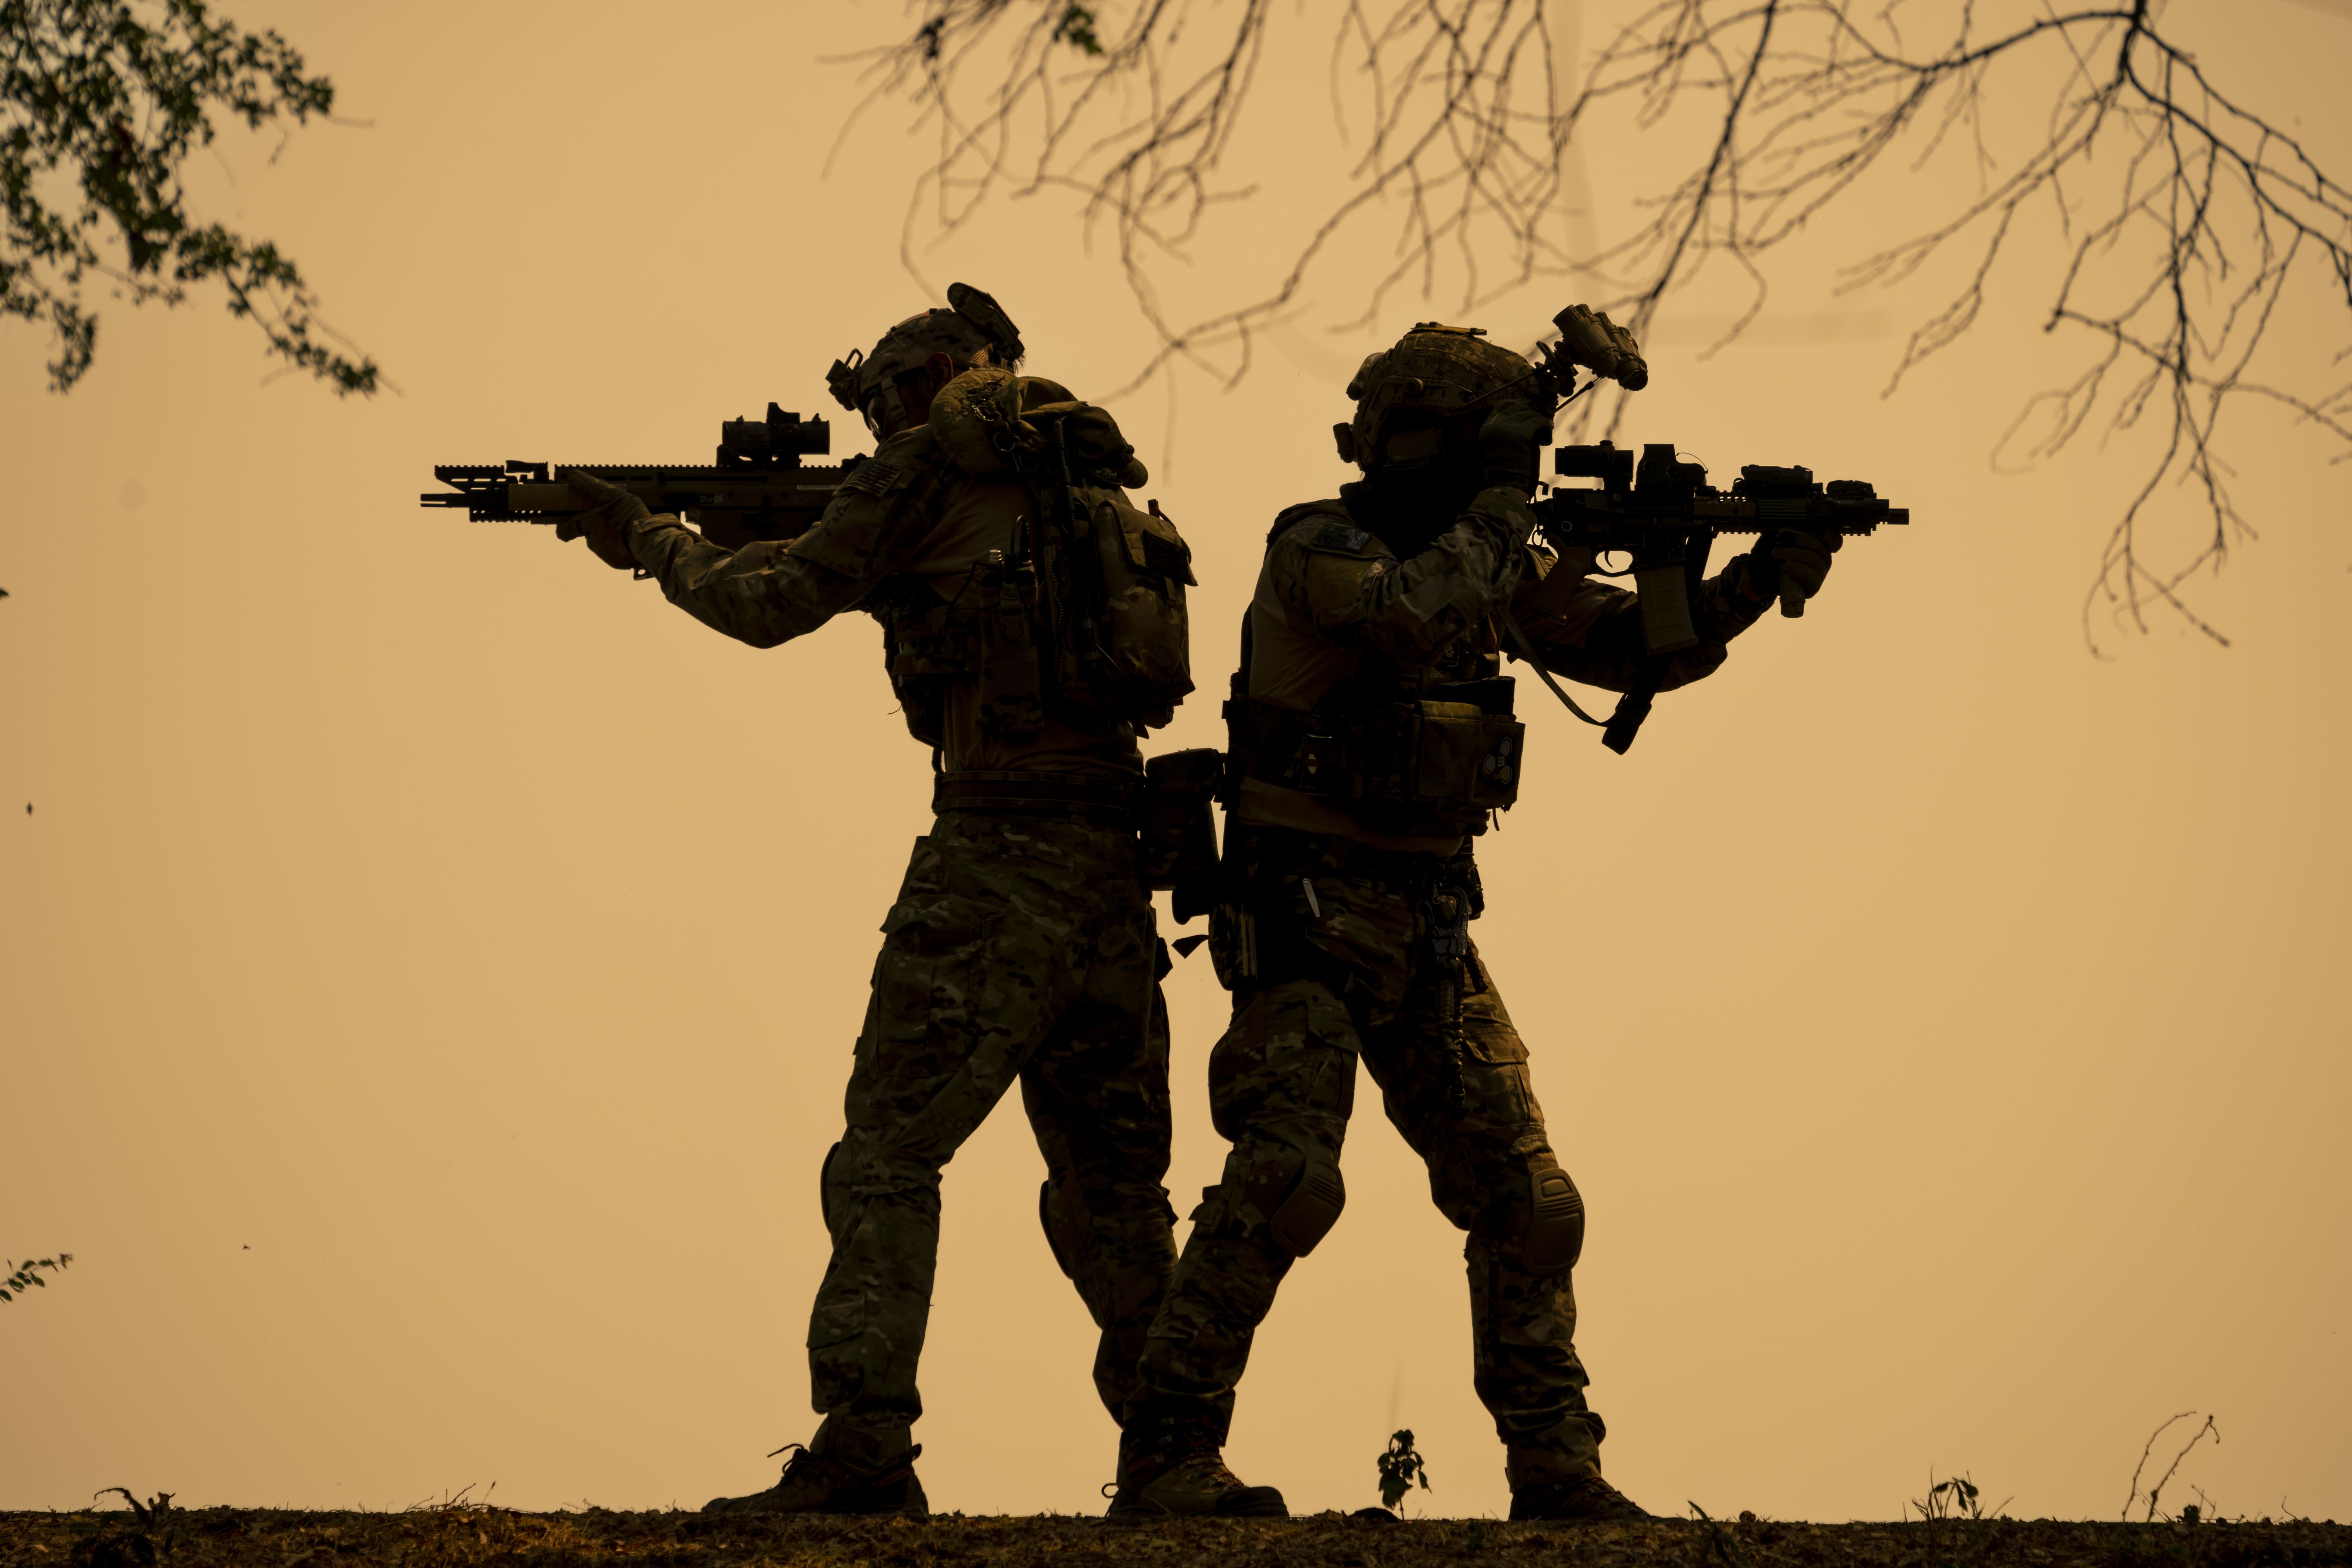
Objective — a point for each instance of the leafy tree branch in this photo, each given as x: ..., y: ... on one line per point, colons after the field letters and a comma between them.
x: 102, y: 103
x: 20, y: 1280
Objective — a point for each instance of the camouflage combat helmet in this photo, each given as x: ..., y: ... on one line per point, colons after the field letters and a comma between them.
x: 971, y: 321
x: 1437, y: 384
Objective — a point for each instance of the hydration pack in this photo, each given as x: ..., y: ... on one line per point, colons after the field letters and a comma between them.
x: 1084, y: 617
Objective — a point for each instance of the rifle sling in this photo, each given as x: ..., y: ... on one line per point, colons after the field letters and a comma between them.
x: 1503, y: 613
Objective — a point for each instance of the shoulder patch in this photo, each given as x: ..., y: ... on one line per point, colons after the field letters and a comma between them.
x: 1291, y: 517
x: 1344, y: 538
x: 875, y: 477
x: 881, y: 510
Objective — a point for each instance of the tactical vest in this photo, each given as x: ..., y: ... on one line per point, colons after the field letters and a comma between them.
x: 1405, y: 749
x: 1083, y: 616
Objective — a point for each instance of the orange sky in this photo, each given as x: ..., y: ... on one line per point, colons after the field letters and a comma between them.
x: 431, y: 962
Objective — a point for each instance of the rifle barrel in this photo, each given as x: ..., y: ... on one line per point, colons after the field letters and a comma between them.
x: 733, y: 505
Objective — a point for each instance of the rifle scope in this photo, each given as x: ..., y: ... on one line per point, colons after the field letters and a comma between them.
x: 778, y: 441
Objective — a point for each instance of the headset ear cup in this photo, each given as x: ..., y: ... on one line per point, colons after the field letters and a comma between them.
x: 1345, y: 435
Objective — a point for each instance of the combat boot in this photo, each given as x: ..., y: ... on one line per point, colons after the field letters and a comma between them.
x: 819, y: 1483
x: 1172, y: 1466
x: 1578, y: 1499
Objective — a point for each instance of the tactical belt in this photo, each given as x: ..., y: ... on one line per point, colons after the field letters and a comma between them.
x: 1056, y: 795
x: 1285, y: 854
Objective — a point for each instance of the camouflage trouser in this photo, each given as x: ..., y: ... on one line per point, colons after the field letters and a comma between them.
x: 1453, y: 1074
x: 1020, y: 947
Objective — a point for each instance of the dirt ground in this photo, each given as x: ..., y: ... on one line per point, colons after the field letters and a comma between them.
x: 497, y: 1538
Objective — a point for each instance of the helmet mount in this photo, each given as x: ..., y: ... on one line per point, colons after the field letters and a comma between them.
x: 972, y: 325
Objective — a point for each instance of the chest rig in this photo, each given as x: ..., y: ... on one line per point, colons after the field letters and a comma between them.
x: 1080, y: 613
x: 1407, y: 750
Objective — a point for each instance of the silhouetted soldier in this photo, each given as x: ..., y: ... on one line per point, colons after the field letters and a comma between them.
x: 987, y: 528
x: 1369, y: 736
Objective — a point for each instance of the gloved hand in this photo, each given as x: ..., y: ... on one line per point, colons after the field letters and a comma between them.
x: 605, y: 523
x: 1792, y: 562
x: 1507, y: 442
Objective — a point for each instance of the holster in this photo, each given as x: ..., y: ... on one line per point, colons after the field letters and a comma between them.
x: 1180, y: 829
x: 1258, y: 934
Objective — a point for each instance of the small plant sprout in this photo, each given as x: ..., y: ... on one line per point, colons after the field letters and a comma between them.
x: 1954, y: 1497
x: 1400, y: 1467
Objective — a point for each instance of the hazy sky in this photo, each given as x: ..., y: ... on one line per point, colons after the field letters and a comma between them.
x: 431, y: 962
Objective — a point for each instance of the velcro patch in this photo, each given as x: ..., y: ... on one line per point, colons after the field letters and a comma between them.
x: 1340, y: 537
x: 1167, y: 557
x: 875, y: 478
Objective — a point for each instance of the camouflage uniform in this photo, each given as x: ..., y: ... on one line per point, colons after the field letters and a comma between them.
x: 1021, y: 947
x: 1342, y: 942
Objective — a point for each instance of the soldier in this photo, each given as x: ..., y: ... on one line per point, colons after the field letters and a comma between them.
x: 1369, y: 666
x: 1034, y: 629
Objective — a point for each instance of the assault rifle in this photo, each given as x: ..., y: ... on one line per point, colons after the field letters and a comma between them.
x: 757, y: 490
x: 1664, y: 516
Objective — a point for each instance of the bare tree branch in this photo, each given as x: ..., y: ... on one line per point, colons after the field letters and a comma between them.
x: 2186, y: 216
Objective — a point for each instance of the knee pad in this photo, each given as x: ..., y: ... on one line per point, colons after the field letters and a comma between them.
x: 1298, y: 1195
x: 1554, y: 1234
x: 1053, y: 1218
x: 829, y: 1198
x: 1309, y: 1210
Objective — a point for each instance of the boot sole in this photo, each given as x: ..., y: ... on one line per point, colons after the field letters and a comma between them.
x: 912, y: 1504
x: 1250, y: 1502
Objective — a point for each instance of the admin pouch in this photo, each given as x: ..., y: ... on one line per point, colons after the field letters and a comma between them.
x: 1431, y: 764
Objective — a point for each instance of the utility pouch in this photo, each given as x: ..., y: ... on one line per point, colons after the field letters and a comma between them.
x: 1437, y: 764
x: 1457, y: 756
x: 1011, y: 686
x: 1144, y: 567
x: 930, y: 644
x: 1448, y: 915
x: 1232, y: 946
x: 1180, y: 832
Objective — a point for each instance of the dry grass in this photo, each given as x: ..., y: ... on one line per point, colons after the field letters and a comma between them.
x: 474, y: 1537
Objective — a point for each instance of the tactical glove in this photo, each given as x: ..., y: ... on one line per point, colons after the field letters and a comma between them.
x: 1508, y: 509
x: 605, y: 523
x: 1791, y: 564
x: 1507, y: 443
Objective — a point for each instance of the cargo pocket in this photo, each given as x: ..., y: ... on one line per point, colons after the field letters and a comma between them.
x: 924, y: 978
x: 1289, y: 1054
x: 1495, y: 1070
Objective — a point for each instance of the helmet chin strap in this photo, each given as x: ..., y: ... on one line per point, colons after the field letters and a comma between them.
x: 1413, y: 506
